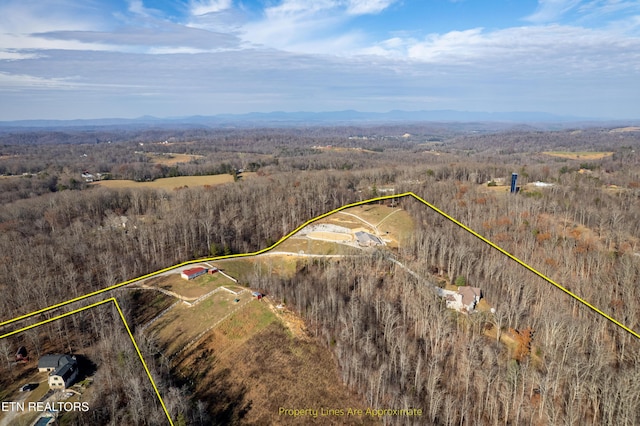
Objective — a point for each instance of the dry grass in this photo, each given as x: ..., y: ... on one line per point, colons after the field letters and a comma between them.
x: 393, y: 224
x: 191, y: 289
x: 148, y: 304
x: 580, y: 155
x: 308, y: 246
x: 247, y: 269
x: 330, y: 236
x: 342, y: 220
x: 252, y: 365
x: 240, y: 269
x: 169, y: 159
x: 181, y: 324
x: 174, y: 182
x: 625, y: 129
x: 344, y: 149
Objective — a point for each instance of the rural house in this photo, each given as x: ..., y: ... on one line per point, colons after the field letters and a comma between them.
x: 464, y: 299
x: 62, y: 369
x: 189, y: 274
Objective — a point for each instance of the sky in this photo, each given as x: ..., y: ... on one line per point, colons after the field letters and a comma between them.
x: 76, y: 59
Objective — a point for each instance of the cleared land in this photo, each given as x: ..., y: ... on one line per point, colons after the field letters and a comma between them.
x: 174, y: 182
x: 191, y: 289
x: 625, y: 129
x: 169, y: 159
x: 251, y: 365
x: 392, y: 223
x: 330, y: 236
x: 182, y: 324
x: 580, y: 155
x: 311, y: 246
x: 247, y: 271
x: 343, y: 149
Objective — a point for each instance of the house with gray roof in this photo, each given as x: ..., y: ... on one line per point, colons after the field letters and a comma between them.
x: 62, y: 369
x: 366, y: 239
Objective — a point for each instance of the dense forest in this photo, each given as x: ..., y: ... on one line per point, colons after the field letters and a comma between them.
x: 393, y: 340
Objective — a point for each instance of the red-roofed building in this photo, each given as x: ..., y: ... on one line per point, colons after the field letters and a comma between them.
x: 189, y: 274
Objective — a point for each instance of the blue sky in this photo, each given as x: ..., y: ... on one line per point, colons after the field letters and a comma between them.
x: 66, y: 59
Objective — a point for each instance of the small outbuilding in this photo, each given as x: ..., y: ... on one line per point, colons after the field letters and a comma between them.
x: 189, y: 274
x: 22, y: 355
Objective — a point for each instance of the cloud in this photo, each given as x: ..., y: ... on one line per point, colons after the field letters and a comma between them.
x: 530, y: 49
x: 28, y: 16
x: 366, y: 7
x: 319, y: 26
x: 12, y: 55
x: 551, y: 10
x: 203, y: 7
x: 211, y: 57
x: 164, y: 38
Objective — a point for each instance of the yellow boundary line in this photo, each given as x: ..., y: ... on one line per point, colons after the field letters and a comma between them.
x: 126, y: 325
x: 281, y: 240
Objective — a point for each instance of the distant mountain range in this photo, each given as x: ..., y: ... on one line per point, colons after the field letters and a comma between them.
x: 279, y: 118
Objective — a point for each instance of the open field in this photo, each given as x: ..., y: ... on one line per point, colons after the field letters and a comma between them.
x: 625, y: 129
x: 148, y: 304
x: 310, y: 246
x: 182, y: 324
x: 240, y: 269
x: 580, y: 155
x: 330, y: 236
x: 344, y: 221
x: 343, y: 149
x: 169, y: 159
x: 191, y: 289
x: 392, y: 223
x: 251, y: 365
x: 246, y: 270
x: 174, y: 182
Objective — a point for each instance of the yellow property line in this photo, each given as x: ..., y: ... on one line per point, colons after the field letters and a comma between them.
x: 281, y: 240
x: 124, y: 321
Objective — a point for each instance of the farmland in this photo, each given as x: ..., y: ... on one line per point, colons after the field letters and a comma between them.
x: 173, y: 182
x: 579, y: 155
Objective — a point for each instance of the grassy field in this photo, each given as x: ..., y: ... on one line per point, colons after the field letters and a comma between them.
x: 247, y: 321
x: 246, y: 270
x: 174, y: 182
x: 240, y: 269
x: 169, y: 159
x: 392, y: 223
x: 148, y: 304
x: 180, y: 325
x: 190, y: 289
x: 580, y: 155
x: 625, y: 129
x: 252, y: 364
x: 296, y: 245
